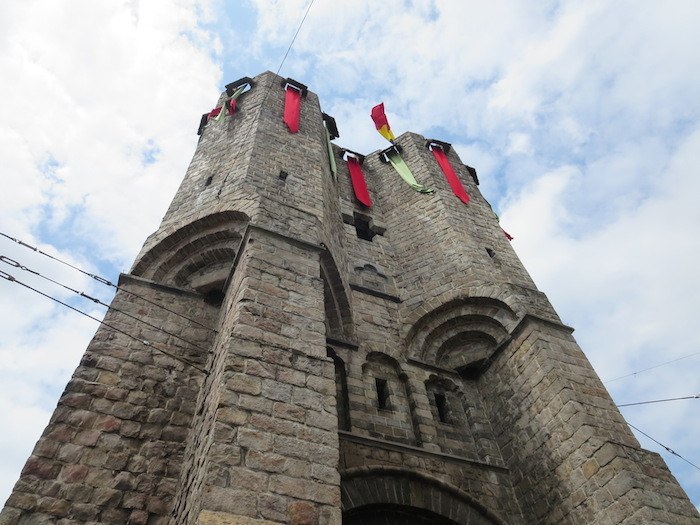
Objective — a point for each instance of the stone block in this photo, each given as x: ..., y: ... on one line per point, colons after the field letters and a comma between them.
x: 254, y: 439
x: 302, y: 513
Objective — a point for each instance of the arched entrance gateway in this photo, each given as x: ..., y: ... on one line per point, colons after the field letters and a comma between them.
x: 389, y: 514
x: 388, y: 496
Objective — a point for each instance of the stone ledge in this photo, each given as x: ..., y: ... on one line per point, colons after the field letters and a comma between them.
x: 127, y: 277
x: 208, y: 517
x: 291, y: 240
x: 331, y: 341
x: 528, y: 318
x: 269, y: 344
x: 434, y: 368
x: 376, y: 293
x: 409, y: 449
x: 524, y: 322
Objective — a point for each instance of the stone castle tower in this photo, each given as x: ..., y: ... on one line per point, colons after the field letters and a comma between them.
x: 300, y: 358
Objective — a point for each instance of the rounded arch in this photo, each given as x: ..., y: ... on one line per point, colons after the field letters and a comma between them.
x: 383, y: 359
x: 336, y: 303
x: 462, y: 333
x: 367, y: 488
x: 199, y: 255
x: 341, y: 390
x: 442, y: 382
x: 383, y: 374
x: 502, y: 297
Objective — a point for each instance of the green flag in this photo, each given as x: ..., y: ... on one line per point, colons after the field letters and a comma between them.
x: 331, y: 157
x: 238, y: 92
x: 402, y: 169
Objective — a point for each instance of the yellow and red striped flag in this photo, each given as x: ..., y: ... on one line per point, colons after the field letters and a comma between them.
x: 381, y: 122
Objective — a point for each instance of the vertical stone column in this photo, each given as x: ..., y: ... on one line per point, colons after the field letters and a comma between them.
x: 423, y: 418
x: 274, y: 445
x: 571, y: 454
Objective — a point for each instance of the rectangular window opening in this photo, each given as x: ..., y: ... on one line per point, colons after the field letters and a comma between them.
x: 382, y: 393
x: 442, y: 408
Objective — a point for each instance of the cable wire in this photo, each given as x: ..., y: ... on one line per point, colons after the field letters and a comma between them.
x: 652, y: 367
x: 696, y: 396
x: 269, y: 88
x: 105, y: 281
x: 664, y: 446
x: 295, y: 36
x: 15, y: 264
x: 11, y: 278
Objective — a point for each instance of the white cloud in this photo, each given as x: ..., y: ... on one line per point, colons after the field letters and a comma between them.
x: 96, y: 129
x: 93, y: 98
x: 519, y: 143
x: 630, y: 287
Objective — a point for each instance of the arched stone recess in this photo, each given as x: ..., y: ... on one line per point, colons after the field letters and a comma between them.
x: 336, y: 302
x: 461, y: 335
x: 508, y: 305
x: 198, y: 256
x: 450, y: 408
x: 367, y: 489
x: 341, y: 390
x: 390, y: 412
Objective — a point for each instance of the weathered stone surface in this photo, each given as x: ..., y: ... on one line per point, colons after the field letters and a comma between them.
x: 308, y: 358
x: 207, y: 517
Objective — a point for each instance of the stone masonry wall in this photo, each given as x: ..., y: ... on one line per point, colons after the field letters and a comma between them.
x: 569, y: 449
x: 274, y: 452
x: 437, y: 239
x: 113, y: 448
x: 188, y: 498
x: 486, y: 484
x: 292, y: 206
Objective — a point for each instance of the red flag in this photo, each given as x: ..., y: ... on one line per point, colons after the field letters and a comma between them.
x: 214, y: 112
x: 508, y: 236
x: 359, y: 185
x: 381, y: 123
x: 292, y: 108
x: 450, y: 175
x: 231, y: 106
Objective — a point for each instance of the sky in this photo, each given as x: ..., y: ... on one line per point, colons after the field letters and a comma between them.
x: 581, y: 118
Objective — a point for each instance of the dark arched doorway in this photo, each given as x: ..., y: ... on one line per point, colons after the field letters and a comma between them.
x: 396, y: 495
x: 389, y: 514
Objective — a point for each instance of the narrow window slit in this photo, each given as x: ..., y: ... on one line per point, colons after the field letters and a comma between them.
x: 382, y: 393
x: 208, y: 181
x: 442, y: 408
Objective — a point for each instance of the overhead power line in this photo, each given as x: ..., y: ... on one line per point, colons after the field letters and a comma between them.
x: 295, y: 36
x: 11, y: 278
x: 696, y: 396
x: 652, y: 367
x: 19, y: 266
x: 664, y: 446
x: 105, y: 281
